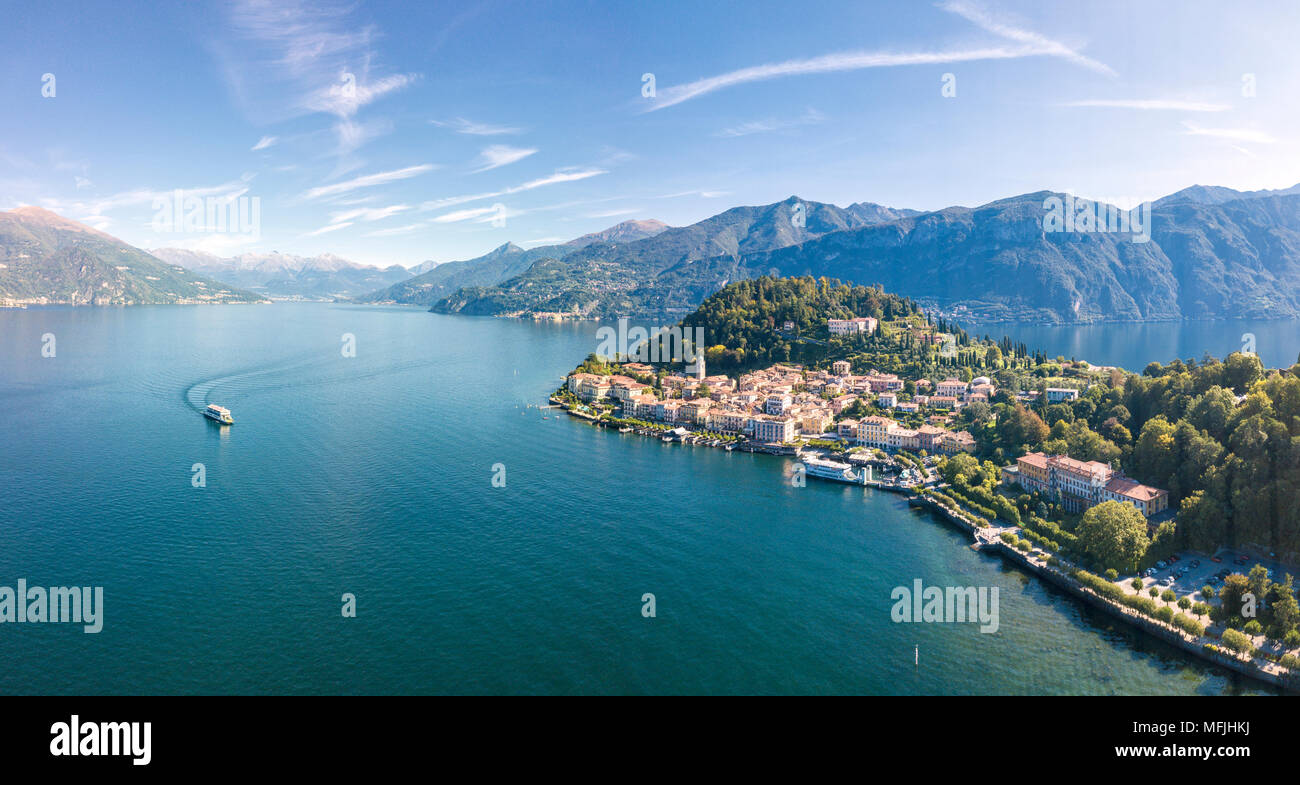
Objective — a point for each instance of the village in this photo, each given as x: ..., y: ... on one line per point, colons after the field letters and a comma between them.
x: 842, y: 423
x: 788, y: 408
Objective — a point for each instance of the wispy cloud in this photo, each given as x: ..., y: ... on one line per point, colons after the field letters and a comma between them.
x: 367, y: 181
x: 701, y: 194
x: 297, y: 57
x: 264, y: 142
x: 462, y: 126
x: 1151, y: 104
x: 369, y: 213
x: 346, y: 96
x: 560, y: 176
x: 810, y: 117
x: 466, y: 215
x: 329, y: 228
x: 1027, y: 44
x: 613, y: 213
x: 1232, y: 134
x: 92, y: 211
x: 396, y: 230
x: 1039, y: 44
x: 500, y: 155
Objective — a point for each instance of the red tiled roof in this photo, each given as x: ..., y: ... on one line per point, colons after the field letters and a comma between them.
x: 1124, y: 486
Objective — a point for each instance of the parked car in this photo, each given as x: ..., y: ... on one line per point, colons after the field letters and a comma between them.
x: 1160, y: 565
x: 1216, y: 560
x: 1195, y: 563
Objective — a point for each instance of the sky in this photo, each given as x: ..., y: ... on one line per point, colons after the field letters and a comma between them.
x: 395, y: 133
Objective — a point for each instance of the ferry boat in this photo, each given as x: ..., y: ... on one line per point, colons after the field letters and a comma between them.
x: 219, y: 413
x: 832, y: 470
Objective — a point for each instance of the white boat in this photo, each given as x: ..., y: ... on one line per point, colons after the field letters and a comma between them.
x: 219, y: 413
x: 831, y: 470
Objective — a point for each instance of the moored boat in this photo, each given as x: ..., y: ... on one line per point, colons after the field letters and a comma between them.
x: 831, y: 470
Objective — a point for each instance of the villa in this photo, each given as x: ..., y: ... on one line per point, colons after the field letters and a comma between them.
x: 862, y: 325
x: 1079, y: 485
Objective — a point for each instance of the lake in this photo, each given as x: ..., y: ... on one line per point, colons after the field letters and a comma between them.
x: 373, y: 476
x: 1133, y: 346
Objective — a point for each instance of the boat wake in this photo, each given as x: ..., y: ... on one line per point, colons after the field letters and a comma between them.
x: 293, y: 373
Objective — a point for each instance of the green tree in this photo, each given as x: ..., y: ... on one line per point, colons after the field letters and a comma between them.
x: 1114, y: 534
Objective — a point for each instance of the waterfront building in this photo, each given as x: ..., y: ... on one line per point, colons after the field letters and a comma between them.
x: 903, y: 439
x: 847, y: 430
x: 874, y: 431
x: 1079, y: 485
x: 770, y: 429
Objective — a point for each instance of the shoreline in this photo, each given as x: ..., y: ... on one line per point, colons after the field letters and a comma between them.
x: 987, y: 541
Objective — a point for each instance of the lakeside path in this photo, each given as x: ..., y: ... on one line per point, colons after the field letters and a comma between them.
x: 1036, y: 562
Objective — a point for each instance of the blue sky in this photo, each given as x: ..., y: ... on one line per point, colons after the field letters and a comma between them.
x: 390, y: 133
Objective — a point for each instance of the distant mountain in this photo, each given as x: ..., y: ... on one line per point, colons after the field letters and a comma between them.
x: 436, y: 281
x: 50, y: 260
x: 284, y: 276
x: 608, y: 279
x: 1204, y: 261
x: 498, y: 264
x: 1212, y: 254
x: 1216, y: 194
x: 871, y: 213
x: 626, y: 232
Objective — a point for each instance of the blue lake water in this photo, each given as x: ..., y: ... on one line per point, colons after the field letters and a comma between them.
x: 372, y: 475
x: 1133, y: 346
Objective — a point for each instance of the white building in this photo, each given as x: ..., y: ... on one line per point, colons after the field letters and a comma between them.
x: 862, y: 325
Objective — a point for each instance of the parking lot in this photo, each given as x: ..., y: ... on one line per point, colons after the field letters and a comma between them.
x: 1192, y: 570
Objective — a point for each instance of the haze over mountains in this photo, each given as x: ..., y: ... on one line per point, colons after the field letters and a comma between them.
x: 46, y: 259
x: 1212, y: 253
x: 279, y: 275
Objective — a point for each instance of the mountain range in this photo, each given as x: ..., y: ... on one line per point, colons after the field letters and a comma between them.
x: 1209, y: 253
x: 436, y: 281
x: 286, y: 276
x: 46, y: 259
x: 1206, y: 252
